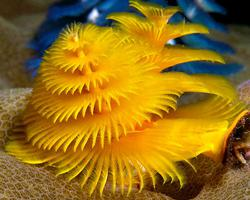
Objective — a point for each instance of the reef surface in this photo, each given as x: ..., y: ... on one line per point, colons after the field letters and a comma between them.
x: 18, y: 20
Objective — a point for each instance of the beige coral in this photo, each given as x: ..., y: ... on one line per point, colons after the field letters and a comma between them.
x: 22, y: 181
x: 244, y: 91
x: 18, y: 20
x: 18, y: 181
x: 12, y: 102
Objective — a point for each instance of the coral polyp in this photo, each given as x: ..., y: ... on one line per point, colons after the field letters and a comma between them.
x: 102, y: 110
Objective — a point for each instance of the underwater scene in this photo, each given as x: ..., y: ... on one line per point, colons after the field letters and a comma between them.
x: 124, y: 99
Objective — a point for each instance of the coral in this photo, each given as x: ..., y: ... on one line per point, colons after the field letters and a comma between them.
x: 17, y: 8
x: 23, y: 181
x: 20, y: 181
x: 12, y: 55
x: 102, y: 112
x: 227, y: 184
x: 16, y: 178
x: 12, y: 103
x: 18, y: 20
x: 210, y: 181
x: 244, y: 91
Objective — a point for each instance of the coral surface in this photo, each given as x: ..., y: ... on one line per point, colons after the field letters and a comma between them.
x: 23, y: 181
x: 102, y: 112
x: 15, y: 31
x: 27, y: 182
x: 244, y: 90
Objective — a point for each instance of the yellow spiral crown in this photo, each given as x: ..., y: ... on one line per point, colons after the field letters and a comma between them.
x: 102, y: 111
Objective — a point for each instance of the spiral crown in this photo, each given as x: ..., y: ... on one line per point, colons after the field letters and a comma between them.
x: 102, y: 110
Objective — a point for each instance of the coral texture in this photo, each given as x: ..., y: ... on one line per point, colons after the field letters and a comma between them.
x: 22, y: 181
x: 13, y: 102
x: 12, y: 55
x: 18, y: 19
x: 102, y: 112
x: 18, y: 179
x: 244, y: 91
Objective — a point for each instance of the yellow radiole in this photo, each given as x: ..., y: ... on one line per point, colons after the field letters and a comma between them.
x: 103, y: 112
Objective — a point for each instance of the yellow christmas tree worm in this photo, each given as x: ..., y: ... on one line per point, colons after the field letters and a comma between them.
x: 101, y: 110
